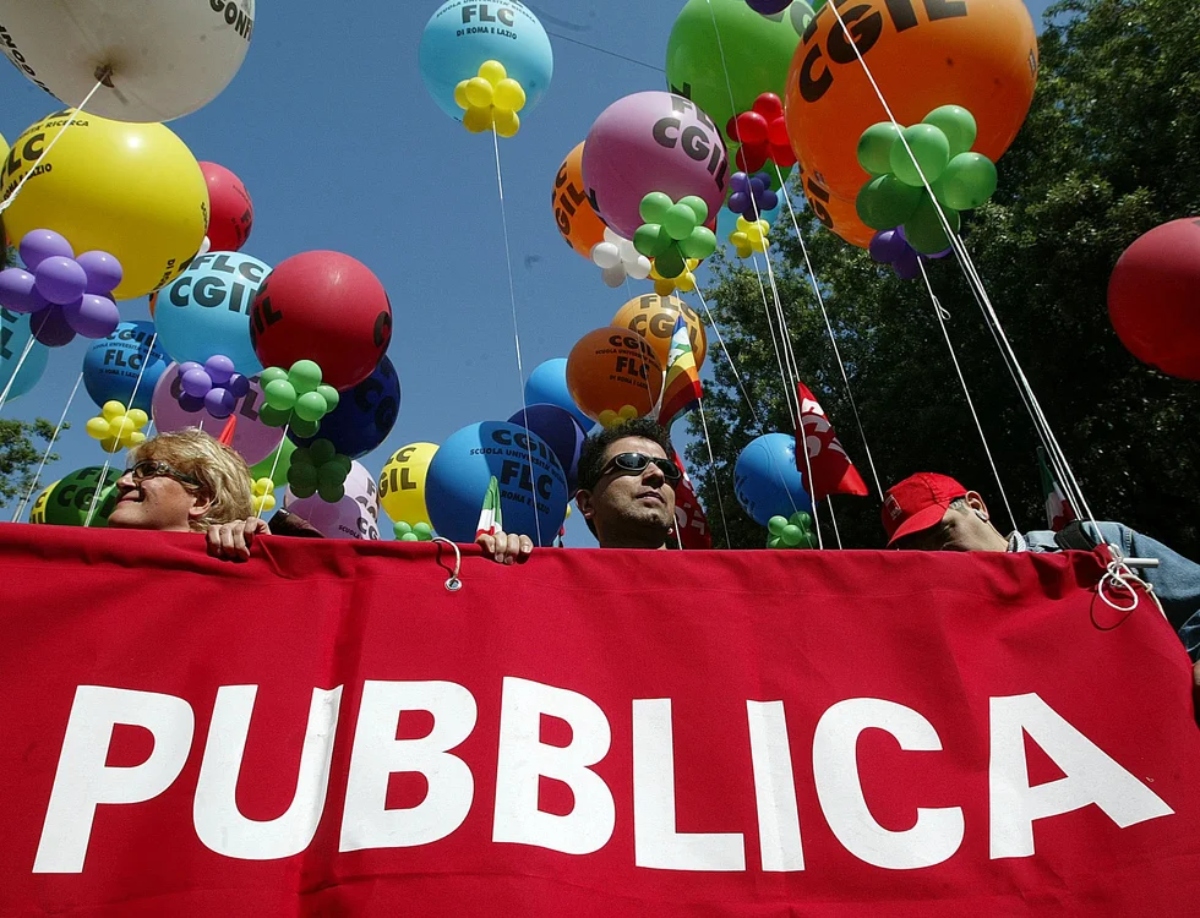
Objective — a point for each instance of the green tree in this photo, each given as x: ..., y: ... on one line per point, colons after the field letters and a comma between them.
x: 20, y: 456
x: 1103, y: 157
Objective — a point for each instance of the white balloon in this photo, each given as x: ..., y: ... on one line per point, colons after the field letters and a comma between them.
x: 606, y: 255
x: 166, y: 58
x: 613, y: 277
x: 205, y: 246
x: 638, y: 269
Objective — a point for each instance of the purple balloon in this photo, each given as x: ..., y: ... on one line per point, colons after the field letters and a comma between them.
x: 219, y: 368
x: 60, y: 279
x: 768, y: 7
x: 942, y: 254
x: 887, y: 246
x: 739, y: 201
x: 51, y: 328
x: 18, y: 291
x: 769, y: 201
x: 220, y: 402
x: 908, y: 265
x: 39, y: 244
x: 739, y: 181
x: 187, y: 366
x: 239, y: 385
x: 93, y: 316
x: 103, y: 271
x: 196, y: 383
x: 190, y: 403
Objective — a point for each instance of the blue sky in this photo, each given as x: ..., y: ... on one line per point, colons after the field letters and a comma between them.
x: 331, y: 129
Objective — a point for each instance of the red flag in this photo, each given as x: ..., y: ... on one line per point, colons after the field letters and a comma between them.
x: 690, y: 519
x: 832, y: 470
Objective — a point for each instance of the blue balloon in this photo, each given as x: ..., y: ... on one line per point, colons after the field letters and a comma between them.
x: 533, y: 500
x: 547, y: 385
x: 14, y: 335
x: 111, y: 366
x: 766, y: 481
x: 206, y: 310
x: 364, y: 416
x: 463, y: 34
x: 562, y: 434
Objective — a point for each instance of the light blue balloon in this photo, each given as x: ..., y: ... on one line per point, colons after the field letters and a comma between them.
x: 766, y: 480
x: 533, y: 499
x: 463, y: 34
x: 14, y: 335
x: 111, y: 366
x: 206, y: 310
x: 547, y: 385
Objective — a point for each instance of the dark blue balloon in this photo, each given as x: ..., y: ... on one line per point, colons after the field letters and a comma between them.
x: 547, y: 385
x: 365, y: 415
x: 111, y: 366
x: 562, y: 434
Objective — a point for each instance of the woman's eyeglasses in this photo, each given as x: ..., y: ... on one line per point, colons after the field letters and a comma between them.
x: 156, y: 468
x: 637, y: 462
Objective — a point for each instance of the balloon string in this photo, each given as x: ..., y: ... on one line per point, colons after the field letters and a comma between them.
x: 712, y: 466
x: 17, y: 369
x: 729, y: 359
x: 274, y: 466
x: 99, y: 486
x: 33, y: 170
x: 512, y: 295
x: 49, y: 446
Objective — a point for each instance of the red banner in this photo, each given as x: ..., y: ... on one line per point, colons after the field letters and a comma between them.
x: 328, y: 730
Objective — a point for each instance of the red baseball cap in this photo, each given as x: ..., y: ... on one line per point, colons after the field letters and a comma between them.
x: 918, y: 502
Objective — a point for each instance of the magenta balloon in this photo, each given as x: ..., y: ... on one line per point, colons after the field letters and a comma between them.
x: 355, y: 516
x: 652, y: 141
x: 251, y: 437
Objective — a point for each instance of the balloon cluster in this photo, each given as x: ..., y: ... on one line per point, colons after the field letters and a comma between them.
x: 297, y: 397
x: 117, y: 428
x: 795, y: 531
x: 420, y: 532
x: 319, y: 469
x: 68, y: 295
x: 902, y: 160
x: 491, y: 99
x: 890, y: 247
x: 609, y: 418
x: 684, y: 283
x: 262, y: 493
x: 213, y: 385
x: 673, y: 232
x: 750, y: 196
x: 617, y: 260
x: 762, y: 132
x: 749, y: 237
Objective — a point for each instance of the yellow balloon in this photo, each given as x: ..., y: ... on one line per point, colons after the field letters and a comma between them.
x: 37, y: 513
x: 402, y: 483
x: 97, y: 428
x: 133, y: 190
x: 479, y: 92
x: 507, y: 123
x: 460, y: 95
x: 509, y: 95
x: 477, y: 120
x: 493, y: 72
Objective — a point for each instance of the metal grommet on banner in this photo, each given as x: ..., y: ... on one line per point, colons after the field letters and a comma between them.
x: 453, y: 584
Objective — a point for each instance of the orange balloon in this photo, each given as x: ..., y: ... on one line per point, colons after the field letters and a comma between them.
x: 837, y: 214
x: 653, y: 317
x: 577, y: 221
x: 980, y: 54
x: 614, y: 370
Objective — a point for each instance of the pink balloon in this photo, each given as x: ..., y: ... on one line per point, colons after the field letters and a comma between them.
x: 355, y: 516
x: 251, y: 437
x: 652, y: 141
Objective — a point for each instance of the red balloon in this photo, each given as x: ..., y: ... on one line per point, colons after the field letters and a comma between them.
x: 326, y: 307
x: 231, y: 212
x: 1153, y: 301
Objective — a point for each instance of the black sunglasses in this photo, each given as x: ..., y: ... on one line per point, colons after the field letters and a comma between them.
x: 151, y: 468
x: 637, y: 462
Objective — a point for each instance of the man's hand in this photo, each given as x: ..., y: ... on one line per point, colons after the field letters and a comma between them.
x: 506, y: 547
x: 232, y: 541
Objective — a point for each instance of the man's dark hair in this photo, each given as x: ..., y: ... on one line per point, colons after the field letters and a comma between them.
x: 591, y: 457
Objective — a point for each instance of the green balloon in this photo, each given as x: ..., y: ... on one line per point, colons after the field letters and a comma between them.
x: 68, y: 503
x: 280, y: 394
x: 311, y: 407
x: 670, y: 263
x: 801, y: 519
x: 723, y: 55
x: 331, y: 494
x: 700, y: 244
x: 263, y: 469
x: 330, y: 476
x: 305, y: 375
x: 931, y: 149
x: 775, y: 524
x: 401, y: 529
x: 424, y: 530
x: 875, y: 147
x: 274, y: 417
x: 773, y: 542
x: 924, y: 230
x: 885, y: 202
x: 322, y: 451
x: 270, y: 374
x: 302, y: 476
x: 330, y: 395
x: 957, y: 124
x: 302, y: 428
x: 969, y: 180
x: 679, y: 221
x: 696, y: 205
x: 409, y: 537
x: 791, y: 535
x: 654, y: 207
x: 652, y: 240
x: 302, y: 490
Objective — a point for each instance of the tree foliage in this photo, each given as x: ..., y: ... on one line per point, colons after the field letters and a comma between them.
x: 1103, y: 157
x: 20, y: 456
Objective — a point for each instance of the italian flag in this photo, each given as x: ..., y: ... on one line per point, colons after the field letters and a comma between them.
x: 1059, y: 511
x: 491, y: 520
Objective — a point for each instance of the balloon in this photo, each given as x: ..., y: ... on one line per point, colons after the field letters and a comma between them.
x: 923, y: 229
x: 402, y: 483
x: 104, y: 272
x: 653, y: 317
x: 927, y: 148
x: 354, y: 516
x: 326, y: 307
x: 92, y: 316
x: 51, y: 328
x: 875, y: 147
x: 69, y: 502
x: 251, y: 437
x: 766, y: 481
x: 166, y: 60
x: 968, y: 181
x: 37, y: 512
x: 547, y: 385
x: 838, y: 214
x: 39, y: 244
x: 462, y: 34
x: 579, y: 225
x: 957, y: 124
x: 275, y: 466
x: 886, y: 202
x: 231, y: 212
x: 112, y: 366
x: 722, y: 55
x: 132, y: 190
x: 652, y: 141
x: 979, y: 56
x: 533, y: 498
x: 1152, y: 298
x: 206, y: 310
x: 364, y: 415
x: 562, y: 434
x: 613, y: 369
x: 60, y: 280
x: 14, y: 335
